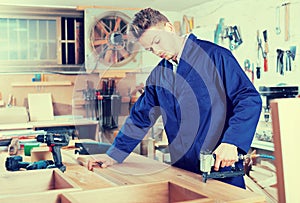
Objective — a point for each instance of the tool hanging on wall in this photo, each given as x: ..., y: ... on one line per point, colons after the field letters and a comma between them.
x: 259, y: 50
x: 287, y: 21
x: 266, y: 51
x: 234, y: 36
x: 277, y: 29
x: 219, y: 31
x: 279, y: 67
x: 288, y: 55
x: 247, y: 66
x: 188, y: 24
x: 230, y: 32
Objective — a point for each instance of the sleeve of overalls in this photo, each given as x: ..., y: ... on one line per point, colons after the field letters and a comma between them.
x: 142, y: 117
x: 246, y: 104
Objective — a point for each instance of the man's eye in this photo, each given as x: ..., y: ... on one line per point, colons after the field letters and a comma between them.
x: 149, y: 49
x: 156, y: 40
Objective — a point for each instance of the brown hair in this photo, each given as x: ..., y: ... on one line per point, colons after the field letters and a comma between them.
x: 145, y: 19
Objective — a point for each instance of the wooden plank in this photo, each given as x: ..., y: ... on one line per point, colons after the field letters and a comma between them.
x: 40, y: 107
x: 35, y: 181
x: 151, y: 192
x: 42, y: 84
x: 252, y: 186
x: 285, y: 121
x: 162, y: 172
x: 33, y: 198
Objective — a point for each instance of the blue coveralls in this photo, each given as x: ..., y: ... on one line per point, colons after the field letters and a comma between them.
x: 208, y: 101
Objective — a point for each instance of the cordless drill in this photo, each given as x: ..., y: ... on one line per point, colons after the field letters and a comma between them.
x: 15, y: 163
x: 55, y: 142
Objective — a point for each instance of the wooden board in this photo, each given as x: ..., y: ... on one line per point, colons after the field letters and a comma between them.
x: 285, y: 121
x: 40, y: 107
x: 137, y: 166
x: 13, y: 115
x: 162, y: 192
x: 35, y: 181
x: 212, y: 189
x: 33, y: 198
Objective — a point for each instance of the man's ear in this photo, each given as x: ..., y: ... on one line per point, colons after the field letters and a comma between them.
x: 169, y: 27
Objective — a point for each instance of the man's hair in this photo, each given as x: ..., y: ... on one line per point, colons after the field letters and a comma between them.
x: 145, y: 19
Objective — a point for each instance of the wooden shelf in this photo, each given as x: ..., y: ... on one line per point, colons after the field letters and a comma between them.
x: 39, y: 84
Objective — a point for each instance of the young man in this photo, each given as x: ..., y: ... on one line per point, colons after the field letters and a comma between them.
x: 207, y: 102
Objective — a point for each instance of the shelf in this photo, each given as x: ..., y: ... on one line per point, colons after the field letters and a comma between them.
x: 39, y: 84
x: 263, y: 145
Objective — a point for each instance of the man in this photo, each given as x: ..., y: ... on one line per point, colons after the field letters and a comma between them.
x: 207, y: 102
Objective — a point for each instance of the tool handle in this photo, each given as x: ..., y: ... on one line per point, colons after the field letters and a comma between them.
x: 258, y: 72
x: 265, y: 34
x: 57, y: 158
x: 265, y: 64
x: 287, y: 19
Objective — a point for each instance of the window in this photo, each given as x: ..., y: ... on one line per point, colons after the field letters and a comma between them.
x: 41, y: 38
x: 28, y: 40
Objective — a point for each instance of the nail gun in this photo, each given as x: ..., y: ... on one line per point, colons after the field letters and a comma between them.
x: 207, y: 161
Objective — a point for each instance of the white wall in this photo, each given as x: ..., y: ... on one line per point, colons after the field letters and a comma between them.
x: 250, y: 16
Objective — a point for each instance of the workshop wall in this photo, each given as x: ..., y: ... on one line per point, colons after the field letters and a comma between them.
x: 67, y: 100
x: 61, y: 95
x: 251, y: 16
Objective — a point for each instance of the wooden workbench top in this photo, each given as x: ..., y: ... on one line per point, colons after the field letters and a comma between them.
x: 139, y: 170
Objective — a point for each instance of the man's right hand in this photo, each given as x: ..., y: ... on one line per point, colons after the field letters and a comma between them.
x: 103, y: 162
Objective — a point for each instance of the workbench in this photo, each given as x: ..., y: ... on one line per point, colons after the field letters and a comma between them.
x: 138, y: 179
x: 87, y: 129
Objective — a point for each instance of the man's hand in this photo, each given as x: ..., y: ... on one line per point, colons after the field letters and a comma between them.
x: 226, y: 155
x: 103, y: 162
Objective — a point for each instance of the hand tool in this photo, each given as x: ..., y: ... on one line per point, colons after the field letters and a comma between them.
x: 234, y: 36
x: 259, y: 48
x: 55, y: 142
x: 218, y: 30
x: 288, y: 65
x: 290, y: 55
x: 247, y: 66
x: 293, y: 52
x: 207, y: 161
x: 278, y: 30
x: 15, y: 163
x: 266, y: 51
x: 279, y: 68
x: 14, y: 146
x: 287, y: 21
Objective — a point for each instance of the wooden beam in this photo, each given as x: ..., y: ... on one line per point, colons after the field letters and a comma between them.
x: 81, y: 8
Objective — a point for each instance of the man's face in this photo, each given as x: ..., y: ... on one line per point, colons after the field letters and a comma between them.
x: 160, y: 41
